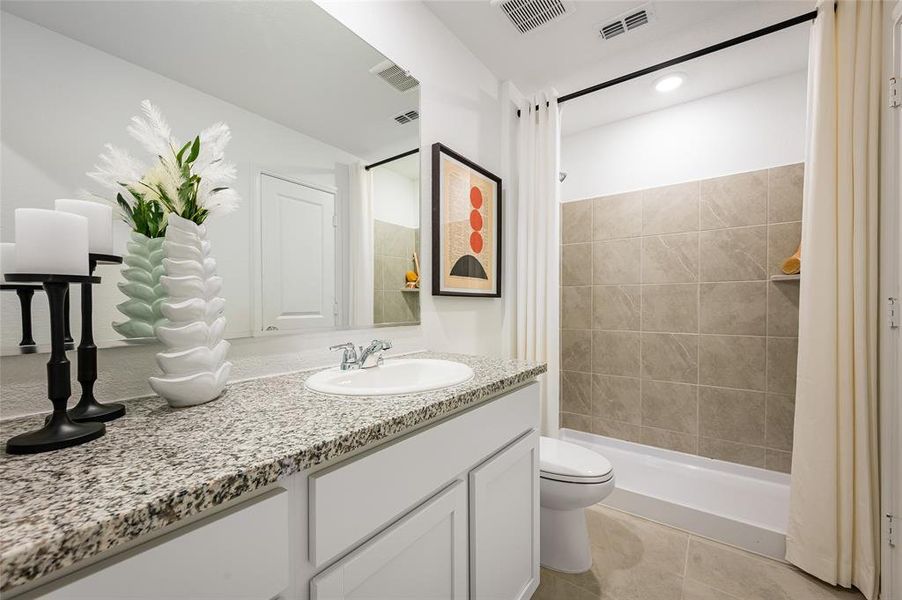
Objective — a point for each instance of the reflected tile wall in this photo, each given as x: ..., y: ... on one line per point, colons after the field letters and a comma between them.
x: 673, y: 334
x: 394, y: 246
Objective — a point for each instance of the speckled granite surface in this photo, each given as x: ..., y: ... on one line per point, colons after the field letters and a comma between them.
x: 158, y: 465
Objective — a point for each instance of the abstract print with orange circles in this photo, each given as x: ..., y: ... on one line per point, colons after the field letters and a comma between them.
x: 469, y: 211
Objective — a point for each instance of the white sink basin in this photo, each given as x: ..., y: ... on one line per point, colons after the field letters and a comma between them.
x: 394, y: 376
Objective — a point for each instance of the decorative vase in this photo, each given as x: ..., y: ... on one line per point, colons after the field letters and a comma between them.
x: 194, y: 366
x: 143, y: 267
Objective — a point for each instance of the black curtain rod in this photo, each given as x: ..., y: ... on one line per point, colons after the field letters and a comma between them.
x: 809, y: 16
x: 392, y: 158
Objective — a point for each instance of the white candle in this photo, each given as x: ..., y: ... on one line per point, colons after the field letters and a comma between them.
x: 51, y: 242
x: 100, y: 222
x: 7, y: 258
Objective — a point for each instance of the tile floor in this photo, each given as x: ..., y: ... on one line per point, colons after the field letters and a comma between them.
x: 635, y: 559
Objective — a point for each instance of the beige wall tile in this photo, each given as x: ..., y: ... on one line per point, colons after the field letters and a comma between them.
x: 783, y: 308
x: 780, y: 416
x: 670, y: 440
x: 778, y: 461
x: 670, y: 307
x: 616, y: 261
x: 576, y: 392
x: 378, y: 313
x: 670, y: 258
x: 672, y: 406
x: 733, y: 415
x: 615, y: 307
x: 616, y: 429
x: 670, y: 209
x: 670, y: 357
x: 734, y: 200
x: 576, y: 264
x: 576, y: 222
x: 782, y: 241
x: 617, y: 216
x: 733, y: 254
x: 615, y: 353
x: 576, y: 307
x: 732, y: 361
x: 576, y: 350
x: 576, y: 421
x: 743, y: 454
x: 784, y: 201
x: 616, y: 398
x: 782, y: 354
x: 736, y: 307
x: 400, y: 307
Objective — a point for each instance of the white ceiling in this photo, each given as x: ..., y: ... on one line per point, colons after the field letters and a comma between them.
x: 570, y: 55
x: 287, y: 61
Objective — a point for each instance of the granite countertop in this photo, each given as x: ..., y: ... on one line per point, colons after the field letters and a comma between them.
x: 158, y: 465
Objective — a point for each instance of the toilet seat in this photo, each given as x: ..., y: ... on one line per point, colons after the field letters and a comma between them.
x: 570, y: 463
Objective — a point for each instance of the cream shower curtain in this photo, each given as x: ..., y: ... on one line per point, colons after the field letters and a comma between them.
x: 362, y: 253
x: 538, y: 246
x: 834, y: 529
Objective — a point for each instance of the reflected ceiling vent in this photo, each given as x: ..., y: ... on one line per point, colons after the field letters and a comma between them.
x: 407, y: 117
x: 395, y: 76
x: 529, y: 15
x: 627, y: 22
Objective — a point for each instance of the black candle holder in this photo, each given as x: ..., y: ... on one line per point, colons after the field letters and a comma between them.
x: 88, y: 408
x: 25, y: 294
x: 59, y: 431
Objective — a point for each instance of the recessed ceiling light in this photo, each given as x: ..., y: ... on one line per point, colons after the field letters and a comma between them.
x: 668, y: 83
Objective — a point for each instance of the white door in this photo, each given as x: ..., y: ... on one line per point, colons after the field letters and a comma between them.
x: 298, y: 255
x: 422, y: 556
x: 504, y: 498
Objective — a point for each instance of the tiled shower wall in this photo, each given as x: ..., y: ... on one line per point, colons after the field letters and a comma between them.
x: 394, y: 246
x: 673, y: 334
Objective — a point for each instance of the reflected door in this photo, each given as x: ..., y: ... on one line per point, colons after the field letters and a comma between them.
x: 298, y: 266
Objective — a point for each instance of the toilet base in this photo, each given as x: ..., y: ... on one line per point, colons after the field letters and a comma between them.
x: 565, y: 540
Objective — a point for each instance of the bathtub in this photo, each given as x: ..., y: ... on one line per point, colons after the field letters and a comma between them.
x: 742, y: 506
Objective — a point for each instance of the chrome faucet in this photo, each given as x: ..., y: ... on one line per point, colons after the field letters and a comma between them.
x: 379, y: 346
x: 351, y: 360
x: 348, y: 355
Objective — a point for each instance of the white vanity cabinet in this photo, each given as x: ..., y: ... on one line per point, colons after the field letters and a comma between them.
x: 448, y: 511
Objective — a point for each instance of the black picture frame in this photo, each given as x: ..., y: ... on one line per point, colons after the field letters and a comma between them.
x: 438, y: 150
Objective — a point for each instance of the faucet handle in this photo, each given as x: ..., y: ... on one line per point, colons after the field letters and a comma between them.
x: 345, y: 346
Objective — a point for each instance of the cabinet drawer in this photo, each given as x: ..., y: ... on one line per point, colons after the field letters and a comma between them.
x: 354, y: 499
x: 239, y: 553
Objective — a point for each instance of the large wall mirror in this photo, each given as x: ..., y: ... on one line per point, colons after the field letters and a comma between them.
x: 324, y: 138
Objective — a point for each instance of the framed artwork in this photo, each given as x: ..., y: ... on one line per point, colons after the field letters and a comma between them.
x: 466, y: 227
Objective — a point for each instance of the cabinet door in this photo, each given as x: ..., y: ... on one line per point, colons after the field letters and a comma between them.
x: 422, y: 556
x: 504, y: 522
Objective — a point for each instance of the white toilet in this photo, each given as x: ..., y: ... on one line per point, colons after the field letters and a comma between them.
x: 572, y: 479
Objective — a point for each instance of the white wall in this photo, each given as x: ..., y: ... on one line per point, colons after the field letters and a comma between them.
x: 396, y: 198
x: 63, y: 100
x: 459, y: 107
x: 753, y: 127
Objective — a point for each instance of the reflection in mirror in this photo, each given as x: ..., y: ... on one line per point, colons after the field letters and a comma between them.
x: 317, y: 242
x: 395, y: 188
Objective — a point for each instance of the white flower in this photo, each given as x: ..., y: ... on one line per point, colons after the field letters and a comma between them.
x: 117, y: 168
x: 152, y: 132
x: 164, y: 176
x: 222, y: 201
x: 213, y: 141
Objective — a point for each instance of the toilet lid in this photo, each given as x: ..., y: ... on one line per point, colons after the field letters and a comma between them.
x: 565, y: 461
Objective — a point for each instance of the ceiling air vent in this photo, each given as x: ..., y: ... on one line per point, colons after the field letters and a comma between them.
x: 395, y: 76
x: 407, y: 117
x: 627, y: 22
x: 529, y: 15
